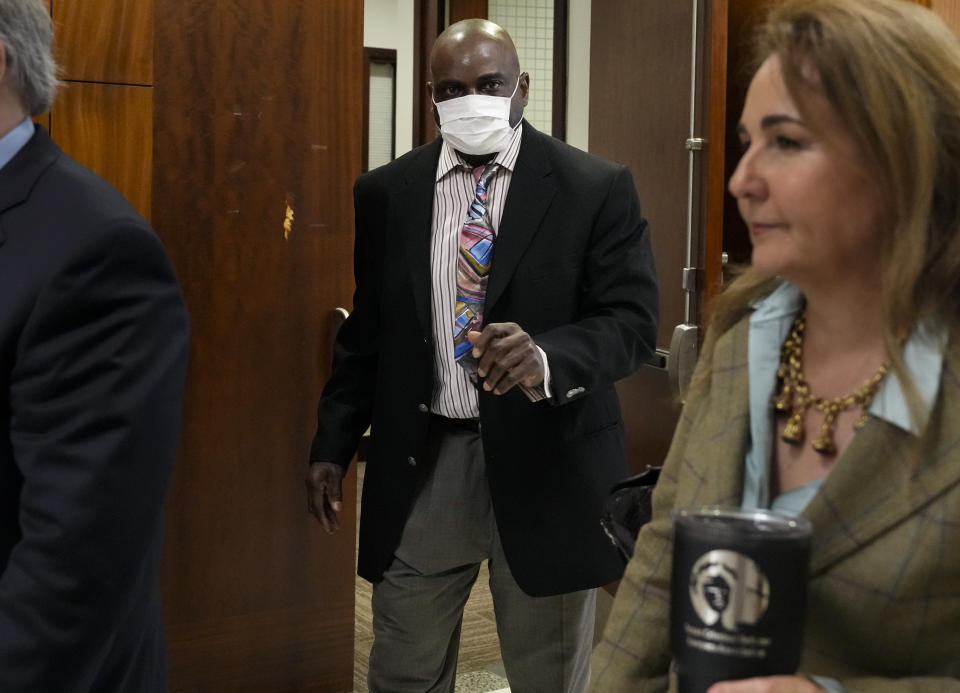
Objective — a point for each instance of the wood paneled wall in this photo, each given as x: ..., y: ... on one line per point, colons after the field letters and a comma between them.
x: 107, y: 41
x: 244, y: 149
x: 258, y: 117
x: 109, y: 128
x: 103, y: 116
x: 949, y: 10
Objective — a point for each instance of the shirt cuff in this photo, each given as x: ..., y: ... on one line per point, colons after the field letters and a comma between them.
x: 546, y: 373
x: 542, y: 391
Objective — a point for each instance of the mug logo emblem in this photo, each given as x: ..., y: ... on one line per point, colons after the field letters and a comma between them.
x: 728, y: 587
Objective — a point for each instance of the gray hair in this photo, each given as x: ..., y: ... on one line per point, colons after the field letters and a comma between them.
x: 26, y: 33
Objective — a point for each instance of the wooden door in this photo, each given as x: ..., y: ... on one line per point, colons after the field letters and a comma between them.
x: 640, y: 90
x: 257, y: 144
x: 666, y: 89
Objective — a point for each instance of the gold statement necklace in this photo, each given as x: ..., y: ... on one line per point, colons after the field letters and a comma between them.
x: 795, y: 398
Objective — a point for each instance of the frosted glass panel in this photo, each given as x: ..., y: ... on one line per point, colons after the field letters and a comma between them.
x: 530, y: 24
x: 380, y: 132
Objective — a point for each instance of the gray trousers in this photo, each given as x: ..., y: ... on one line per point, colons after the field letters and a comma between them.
x: 418, y: 606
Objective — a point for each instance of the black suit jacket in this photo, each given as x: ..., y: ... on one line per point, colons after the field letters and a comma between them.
x: 573, y: 267
x: 93, y: 350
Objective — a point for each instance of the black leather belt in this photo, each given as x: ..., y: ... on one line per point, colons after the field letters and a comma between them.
x: 472, y: 425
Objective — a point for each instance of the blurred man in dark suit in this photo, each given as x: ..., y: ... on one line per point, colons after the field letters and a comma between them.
x: 93, y: 354
x: 504, y: 282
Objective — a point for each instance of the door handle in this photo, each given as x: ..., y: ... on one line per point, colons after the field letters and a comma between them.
x: 684, y: 350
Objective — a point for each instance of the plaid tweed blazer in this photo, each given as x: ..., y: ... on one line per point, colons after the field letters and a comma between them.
x: 883, y: 612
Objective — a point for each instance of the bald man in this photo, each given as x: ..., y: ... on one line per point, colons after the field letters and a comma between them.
x: 504, y: 282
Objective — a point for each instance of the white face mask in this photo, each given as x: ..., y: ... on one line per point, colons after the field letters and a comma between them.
x: 476, y: 123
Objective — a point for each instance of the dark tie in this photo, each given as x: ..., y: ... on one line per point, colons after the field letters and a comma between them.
x: 473, y: 267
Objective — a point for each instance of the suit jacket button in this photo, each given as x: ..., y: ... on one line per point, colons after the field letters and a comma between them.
x: 411, y: 461
x: 423, y: 408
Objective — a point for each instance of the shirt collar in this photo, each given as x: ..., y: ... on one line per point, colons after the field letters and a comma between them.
x: 923, y: 356
x: 784, y: 302
x: 14, y: 141
x: 507, y: 157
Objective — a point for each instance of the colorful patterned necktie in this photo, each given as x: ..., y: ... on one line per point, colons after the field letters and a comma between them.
x: 473, y: 266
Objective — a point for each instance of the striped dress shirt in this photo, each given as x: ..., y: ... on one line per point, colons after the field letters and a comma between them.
x: 454, y: 395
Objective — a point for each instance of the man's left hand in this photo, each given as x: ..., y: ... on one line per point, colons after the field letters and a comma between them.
x: 767, y: 684
x: 507, y: 356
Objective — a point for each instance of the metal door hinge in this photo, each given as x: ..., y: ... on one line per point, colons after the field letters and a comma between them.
x: 691, y: 279
x: 695, y: 144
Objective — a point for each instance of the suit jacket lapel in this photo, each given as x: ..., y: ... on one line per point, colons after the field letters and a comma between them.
x: 531, y: 192
x: 880, y: 482
x: 17, y: 178
x: 412, y: 217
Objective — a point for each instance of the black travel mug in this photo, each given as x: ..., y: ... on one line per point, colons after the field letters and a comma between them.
x: 738, y: 594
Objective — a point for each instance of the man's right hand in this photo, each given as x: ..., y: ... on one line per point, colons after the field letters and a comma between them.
x: 325, y: 494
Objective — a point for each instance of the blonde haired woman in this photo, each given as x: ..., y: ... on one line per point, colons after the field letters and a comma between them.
x: 829, y: 383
